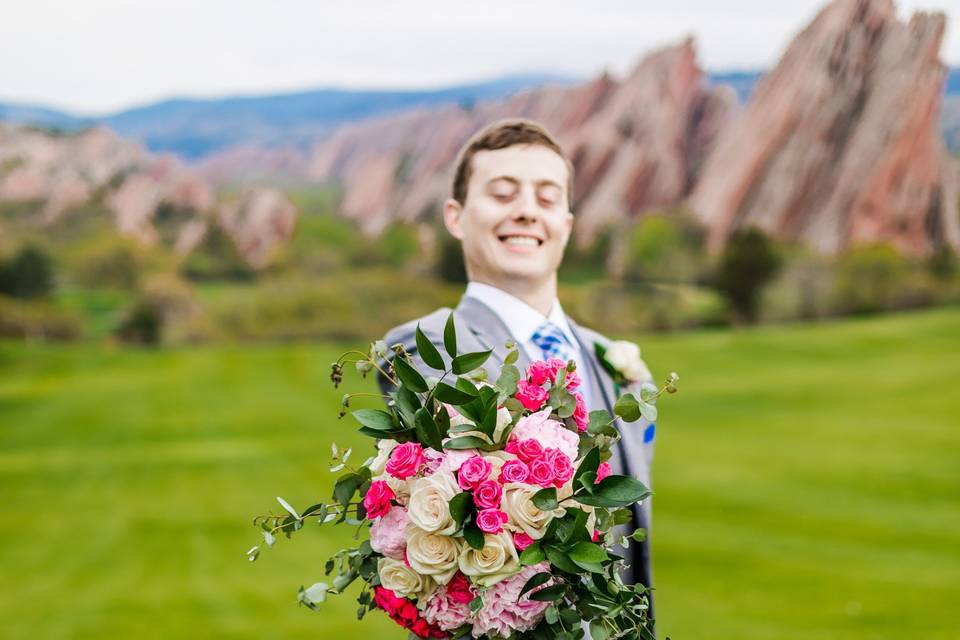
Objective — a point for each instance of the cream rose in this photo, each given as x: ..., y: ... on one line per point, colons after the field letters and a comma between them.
x: 432, y: 554
x: 497, y: 560
x: 625, y: 358
x: 384, y: 447
x: 403, y: 580
x: 496, y: 460
x: 401, y: 488
x: 523, y: 514
x: 429, y: 506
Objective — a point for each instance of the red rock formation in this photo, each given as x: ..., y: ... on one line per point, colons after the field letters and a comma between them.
x: 635, y: 144
x: 63, y: 172
x: 839, y: 144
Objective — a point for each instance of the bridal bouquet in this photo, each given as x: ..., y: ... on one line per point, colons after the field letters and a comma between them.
x: 489, y: 509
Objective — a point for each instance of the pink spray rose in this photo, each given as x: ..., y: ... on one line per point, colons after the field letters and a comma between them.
x: 580, y: 414
x: 521, y: 540
x: 514, y: 471
x: 603, y: 471
x: 531, y: 396
x: 487, y: 494
x: 539, y: 372
x: 529, y: 450
x: 377, y: 500
x: 573, y: 380
x: 491, y: 520
x: 541, y: 473
x: 562, y: 467
x: 473, y: 471
x: 548, y: 432
x: 405, y: 460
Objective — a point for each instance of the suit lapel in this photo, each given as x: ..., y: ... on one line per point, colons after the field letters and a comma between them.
x: 491, y: 332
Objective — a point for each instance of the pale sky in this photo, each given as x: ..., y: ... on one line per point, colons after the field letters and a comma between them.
x: 94, y: 56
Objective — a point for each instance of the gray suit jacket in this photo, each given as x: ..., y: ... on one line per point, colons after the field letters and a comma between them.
x: 479, y: 328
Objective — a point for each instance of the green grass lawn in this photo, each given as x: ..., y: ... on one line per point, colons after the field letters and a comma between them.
x: 807, y: 481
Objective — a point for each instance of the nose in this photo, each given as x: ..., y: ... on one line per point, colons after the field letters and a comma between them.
x: 526, y: 206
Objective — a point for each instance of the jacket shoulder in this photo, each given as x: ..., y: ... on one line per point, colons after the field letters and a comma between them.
x: 431, y: 324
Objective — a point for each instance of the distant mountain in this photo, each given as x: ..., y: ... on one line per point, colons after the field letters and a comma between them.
x: 193, y: 129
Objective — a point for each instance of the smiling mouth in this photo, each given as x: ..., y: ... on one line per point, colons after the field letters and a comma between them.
x: 521, y: 241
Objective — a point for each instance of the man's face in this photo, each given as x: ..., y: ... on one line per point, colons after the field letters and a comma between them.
x: 516, y: 220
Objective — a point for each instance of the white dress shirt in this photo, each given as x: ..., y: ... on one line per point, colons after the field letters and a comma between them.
x: 522, y: 321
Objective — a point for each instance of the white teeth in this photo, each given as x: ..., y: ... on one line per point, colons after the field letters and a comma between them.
x: 522, y: 241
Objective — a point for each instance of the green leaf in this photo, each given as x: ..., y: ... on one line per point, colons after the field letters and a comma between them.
x: 600, y: 423
x: 467, y: 387
x: 615, y: 491
x: 512, y: 356
x: 598, y: 631
x: 469, y: 361
x: 473, y: 536
x: 374, y: 419
x: 465, y: 442
x: 534, y: 582
x: 589, y: 556
x: 346, y: 486
x: 427, y: 430
x: 648, y: 392
x: 409, y: 376
x: 639, y: 534
x: 549, y: 594
x: 450, y: 337
x: 551, y: 615
x: 509, y: 377
x: 627, y: 408
x: 562, y: 561
x: 450, y: 395
x: 461, y: 505
x: 648, y: 411
x: 476, y: 604
x: 546, y: 499
x: 407, y: 404
x: 431, y: 356
x: 589, y: 464
x: 288, y: 508
x: 533, y: 554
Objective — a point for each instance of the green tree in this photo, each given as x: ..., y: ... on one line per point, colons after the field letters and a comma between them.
x: 450, y: 266
x: 29, y: 274
x: 748, y: 263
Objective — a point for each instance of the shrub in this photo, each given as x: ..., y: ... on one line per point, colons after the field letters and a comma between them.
x: 28, y: 274
x: 875, y: 278
x: 665, y: 248
x: 748, y: 263
x: 450, y: 266
x: 36, y: 320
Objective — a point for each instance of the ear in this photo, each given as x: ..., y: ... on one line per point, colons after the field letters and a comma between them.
x: 451, y: 218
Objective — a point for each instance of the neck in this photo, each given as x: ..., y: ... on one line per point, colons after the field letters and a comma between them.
x: 539, y: 296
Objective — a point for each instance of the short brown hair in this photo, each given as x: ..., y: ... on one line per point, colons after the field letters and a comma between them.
x: 500, y: 135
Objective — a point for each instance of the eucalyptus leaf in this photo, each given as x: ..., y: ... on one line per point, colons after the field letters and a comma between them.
x: 286, y: 505
x: 627, y: 408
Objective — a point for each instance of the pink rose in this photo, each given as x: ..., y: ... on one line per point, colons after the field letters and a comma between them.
x: 405, y: 460
x: 473, y: 471
x: 596, y: 535
x: 514, y: 471
x: 603, y: 471
x: 529, y: 450
x: 573, y: 380
x: 555, y: 364
x: 521, y: 541
x: 491, y: 520
x: 580, y: 414
x: 487, y: 495
x: 549, y: 433
x: 531, y: 396
x: 541, y: 473
x: 388, y: 535
x: 562, y: 467
x: 539, y: 372
x: 377, y: 500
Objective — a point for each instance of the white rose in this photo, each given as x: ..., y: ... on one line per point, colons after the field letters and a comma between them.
x: 396, y: 576
x: 625, y: 358
x: 432, y: 554
x: 497, y: 560
x: 384, y: 447
x: 429, y: 505
x: 400, y: 488
x: 523, y: 514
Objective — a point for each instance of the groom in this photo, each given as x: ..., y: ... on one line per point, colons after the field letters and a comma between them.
x: 510, y: 209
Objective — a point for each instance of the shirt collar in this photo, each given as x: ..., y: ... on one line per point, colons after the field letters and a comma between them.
x: 520, y: 318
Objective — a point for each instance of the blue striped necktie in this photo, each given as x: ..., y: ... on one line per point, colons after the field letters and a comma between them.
x: 552, y: 342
